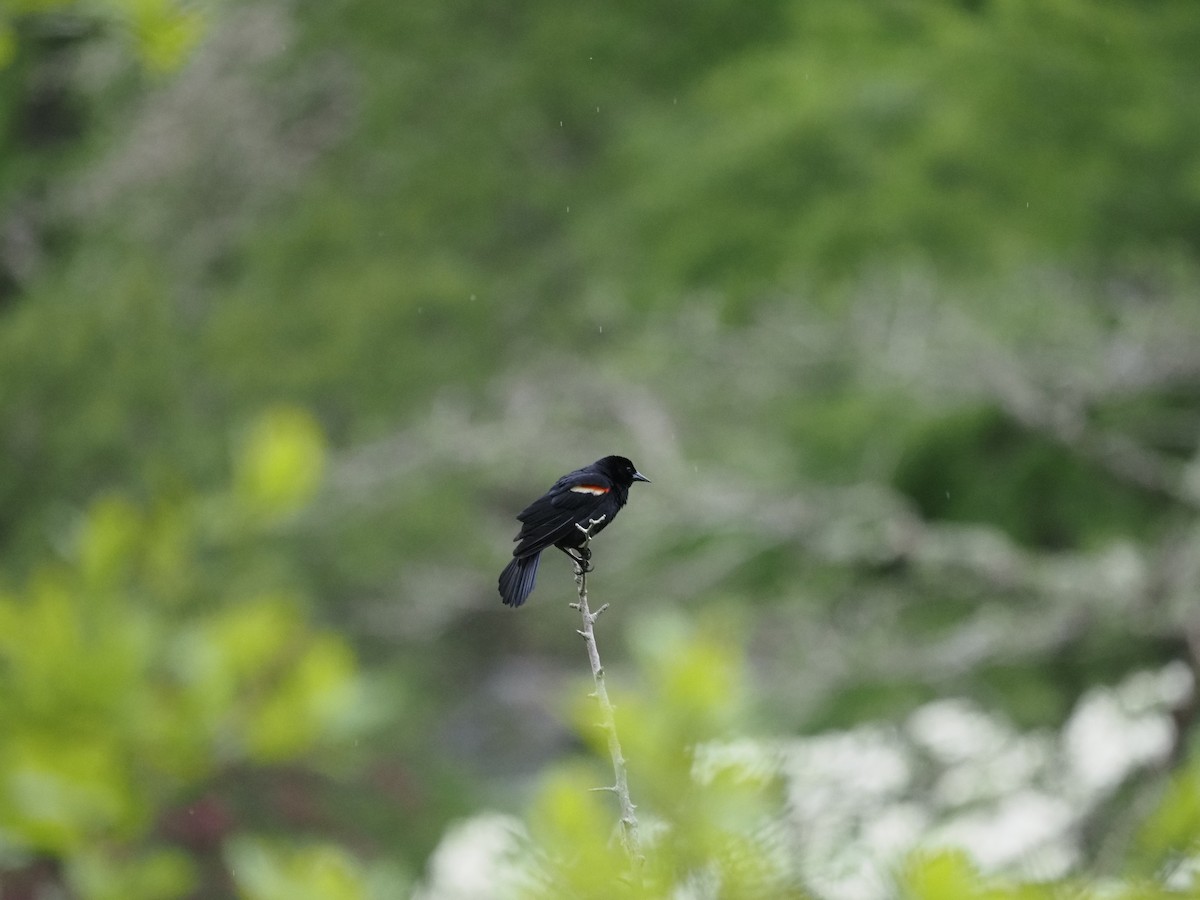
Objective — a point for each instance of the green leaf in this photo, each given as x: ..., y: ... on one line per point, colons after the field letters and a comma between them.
x: 281, y: 463
x: 265, y: 870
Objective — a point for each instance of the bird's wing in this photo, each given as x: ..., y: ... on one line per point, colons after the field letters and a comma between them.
x: 551, y: 517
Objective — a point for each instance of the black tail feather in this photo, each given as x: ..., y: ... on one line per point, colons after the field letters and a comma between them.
x: 516, y: 581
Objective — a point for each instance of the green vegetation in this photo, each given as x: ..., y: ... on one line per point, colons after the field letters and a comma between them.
x: 895, y: 302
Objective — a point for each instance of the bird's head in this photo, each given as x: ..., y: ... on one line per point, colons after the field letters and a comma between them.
x: 621, y: 470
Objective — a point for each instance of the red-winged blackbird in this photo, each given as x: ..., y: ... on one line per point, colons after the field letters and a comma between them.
x: 595, y: 492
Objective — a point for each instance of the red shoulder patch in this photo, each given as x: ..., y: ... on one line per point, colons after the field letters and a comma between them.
x: 590, y: 489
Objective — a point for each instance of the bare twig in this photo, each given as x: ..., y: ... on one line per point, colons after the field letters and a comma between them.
x: 630, y: 839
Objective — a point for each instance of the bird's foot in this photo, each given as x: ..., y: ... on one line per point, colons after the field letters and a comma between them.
x: 582, y: 557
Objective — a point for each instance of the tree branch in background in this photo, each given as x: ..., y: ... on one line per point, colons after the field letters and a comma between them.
x: 630, y: 838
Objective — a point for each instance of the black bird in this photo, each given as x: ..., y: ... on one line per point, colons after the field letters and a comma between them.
x: 594, y: 492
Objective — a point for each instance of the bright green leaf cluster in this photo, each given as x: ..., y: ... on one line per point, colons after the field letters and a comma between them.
x: 265, y: 870
x: 128, y: 677
x: 164, y: 32
x: 281, y: 463
x: 1171, y: 833
x: 154, y: 874
x: 950, y: 875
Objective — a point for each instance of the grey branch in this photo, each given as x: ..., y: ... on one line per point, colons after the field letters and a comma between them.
x: 630, y: 838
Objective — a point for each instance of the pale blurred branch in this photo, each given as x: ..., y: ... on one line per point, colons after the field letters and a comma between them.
x: 1067, y: 424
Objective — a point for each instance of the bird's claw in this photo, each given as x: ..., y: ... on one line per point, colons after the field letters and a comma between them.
x: 582, y: 557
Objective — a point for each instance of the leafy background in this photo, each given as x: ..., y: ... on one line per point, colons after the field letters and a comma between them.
x: 895, y: 302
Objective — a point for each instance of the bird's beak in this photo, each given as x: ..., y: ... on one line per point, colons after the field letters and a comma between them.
x: 638, y: 476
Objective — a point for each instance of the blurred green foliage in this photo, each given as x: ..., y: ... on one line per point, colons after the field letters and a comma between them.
x: 895, y: 302
x: 264, y: 871
x: 715, y: 817
x: 138, y: 668
x: 1036, y: 489
x: 706, y: 811
x: 161, y: 32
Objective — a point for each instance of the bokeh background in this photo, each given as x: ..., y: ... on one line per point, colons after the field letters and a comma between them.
x: 897, y: 303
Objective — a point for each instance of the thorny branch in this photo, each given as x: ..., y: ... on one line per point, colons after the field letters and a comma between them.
x: 630, y: 839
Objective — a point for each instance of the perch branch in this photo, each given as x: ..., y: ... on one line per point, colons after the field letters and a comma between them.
x: 630, y: 839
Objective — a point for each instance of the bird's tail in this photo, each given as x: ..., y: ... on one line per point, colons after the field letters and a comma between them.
x: 516, y: 581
